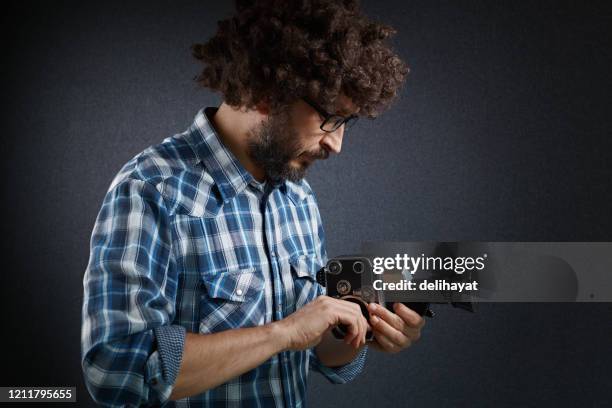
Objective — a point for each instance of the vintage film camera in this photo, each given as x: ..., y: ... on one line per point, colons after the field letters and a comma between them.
x: 350, y: 278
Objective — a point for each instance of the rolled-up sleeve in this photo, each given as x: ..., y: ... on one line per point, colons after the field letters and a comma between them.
x: 341, y: 374
x: 131, y: 351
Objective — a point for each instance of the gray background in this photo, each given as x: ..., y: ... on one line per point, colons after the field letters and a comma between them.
x: 501, y: 134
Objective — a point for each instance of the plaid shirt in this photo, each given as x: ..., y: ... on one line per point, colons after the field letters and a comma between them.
x: 188, y: 240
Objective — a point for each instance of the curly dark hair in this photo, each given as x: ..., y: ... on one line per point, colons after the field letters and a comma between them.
x: 281, y: 50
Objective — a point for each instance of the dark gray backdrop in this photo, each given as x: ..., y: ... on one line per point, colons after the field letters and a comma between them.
x: 501, y: 133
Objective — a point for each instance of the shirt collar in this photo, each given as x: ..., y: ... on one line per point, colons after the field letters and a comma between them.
x: 227, y: 172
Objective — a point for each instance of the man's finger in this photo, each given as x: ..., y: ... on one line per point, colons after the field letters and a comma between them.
x: 355, y: 322
x: 361, y: 323
x: 351, y: 334
x: 390, y: 332
x: 408, y: 315
x: 388, y: 316
x: 347, y: 318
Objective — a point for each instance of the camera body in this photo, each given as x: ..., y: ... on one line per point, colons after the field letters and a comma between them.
x: 351, y: 278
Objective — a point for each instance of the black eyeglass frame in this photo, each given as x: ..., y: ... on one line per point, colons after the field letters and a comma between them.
x: 335, y: 120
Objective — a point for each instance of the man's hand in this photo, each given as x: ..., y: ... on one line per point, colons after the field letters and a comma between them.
x: 307, y: 325
x: 394, y: 332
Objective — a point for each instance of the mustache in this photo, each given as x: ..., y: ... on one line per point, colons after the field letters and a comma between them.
x: 321, y: 154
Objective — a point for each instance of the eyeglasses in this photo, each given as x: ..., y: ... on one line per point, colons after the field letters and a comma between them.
x: 331, y: 122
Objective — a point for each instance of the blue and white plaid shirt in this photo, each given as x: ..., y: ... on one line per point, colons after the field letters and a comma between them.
x: 188, y: 240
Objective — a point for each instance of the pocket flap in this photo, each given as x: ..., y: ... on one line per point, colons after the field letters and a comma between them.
x: 305, y: 265
x: 233, y: 285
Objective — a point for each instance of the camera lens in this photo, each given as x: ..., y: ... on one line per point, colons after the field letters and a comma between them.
x: 358, y: 267
x: 343, y: 287
x: 335, y: 267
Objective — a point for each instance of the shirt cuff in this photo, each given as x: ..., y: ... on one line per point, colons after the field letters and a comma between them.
x: 157, y: 391
x: 341, y: 374
x: 170, y: 344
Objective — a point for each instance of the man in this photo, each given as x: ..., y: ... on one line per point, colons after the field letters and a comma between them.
x: 200, y: 289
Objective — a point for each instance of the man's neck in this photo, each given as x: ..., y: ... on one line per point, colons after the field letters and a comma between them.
x: 233, y: 127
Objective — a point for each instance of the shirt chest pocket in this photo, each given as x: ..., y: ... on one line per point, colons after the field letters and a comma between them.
x: 303, y: 270
x: 231, y: 299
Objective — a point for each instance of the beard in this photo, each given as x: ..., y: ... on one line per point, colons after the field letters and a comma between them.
x: 275, y: 143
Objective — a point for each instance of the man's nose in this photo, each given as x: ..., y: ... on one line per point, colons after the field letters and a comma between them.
x: 332, y: 141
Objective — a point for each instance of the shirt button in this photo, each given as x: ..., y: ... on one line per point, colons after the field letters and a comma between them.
x: 239, y: 292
